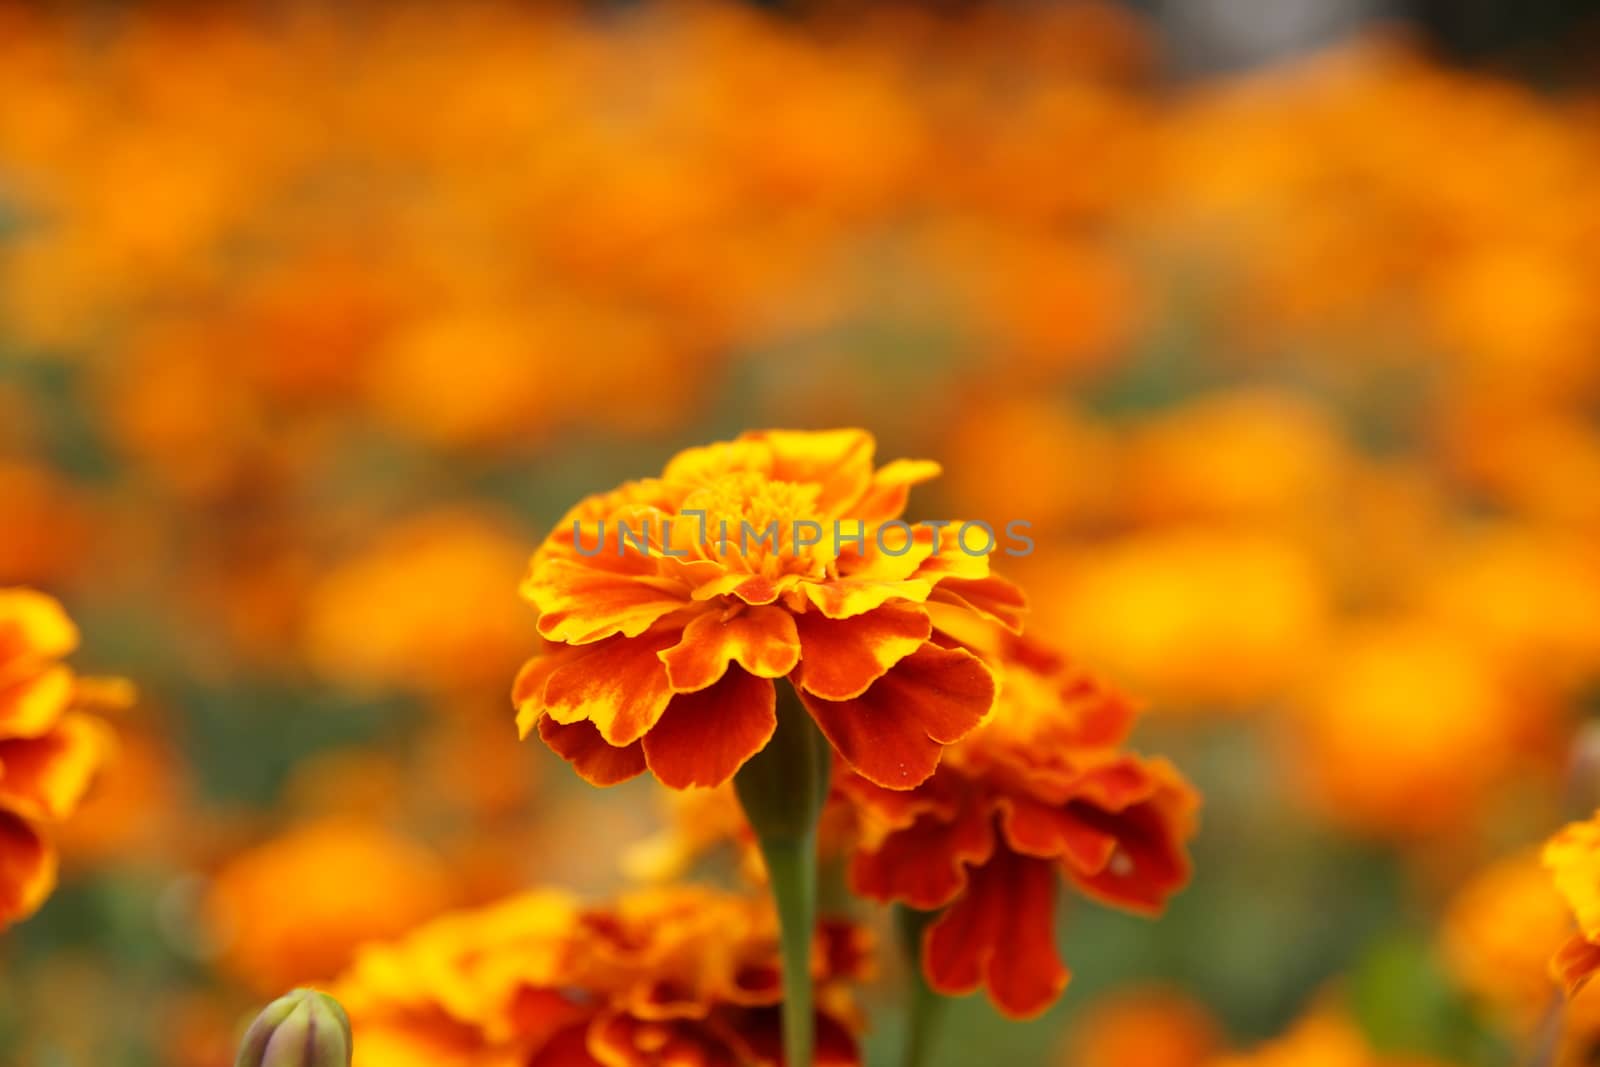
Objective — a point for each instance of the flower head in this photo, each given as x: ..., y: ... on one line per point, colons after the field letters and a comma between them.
x: 50, y: 749
x: 1572, y: 857
x: 672, y: 604
x: 683, y: 975
x: 1041, y: 791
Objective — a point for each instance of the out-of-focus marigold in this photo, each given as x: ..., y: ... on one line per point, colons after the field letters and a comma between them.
x: 50, y: 750
x: 1572, y: 857
x: 683, y: 975
x: 1042, y: 789
x: 667, y: 663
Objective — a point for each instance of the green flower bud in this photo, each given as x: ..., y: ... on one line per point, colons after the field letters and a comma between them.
x: 304, y: 1028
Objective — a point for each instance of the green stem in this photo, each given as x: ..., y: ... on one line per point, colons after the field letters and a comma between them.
x: 782, y: 789
x: 924, y: 1007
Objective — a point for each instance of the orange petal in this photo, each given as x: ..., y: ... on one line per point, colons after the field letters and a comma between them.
x: 843, y: 598
x: 33, y: 631
x: 840, y: 658
x: 993, y: 598
x: 579, y: 603
x: 581, y: 745
x: 1000, y: 934
x: 45, y: 777
x: 32, y: 705
x: 762, y: 640
x: 527, y: 692
x: 926, y: 864
x: 891, y: 486
x: 619, y: 684
x: 703, y: 738
x: 1575, y: 963
x: 893, y: 733
x: 27, y: 869
x: 839, y: 462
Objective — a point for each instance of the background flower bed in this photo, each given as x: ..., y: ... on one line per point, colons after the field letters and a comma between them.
x: 312, y: 323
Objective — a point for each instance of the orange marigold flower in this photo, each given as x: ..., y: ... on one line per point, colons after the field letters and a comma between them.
x: 1572, y: 857
x: 672, y: 604
x: 1042, y: 788
x: 292, y: 909
x: 50, y: 749
x: 681, y: 975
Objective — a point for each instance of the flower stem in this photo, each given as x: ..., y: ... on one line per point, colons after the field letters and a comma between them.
x: 782, y: 789
x: 924, y: 1007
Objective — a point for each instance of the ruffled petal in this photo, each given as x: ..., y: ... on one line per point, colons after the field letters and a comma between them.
x: 1000, y: 934
x: 925, y: 865
x: 581, y: 745
x: 1041, y: 830
x: 842, y: 598
x: 579, y: 603
x: 891, y: 487
x: 993, y: 598
x: 762, y: 640
x: 1150, y: 863
x: 839, y: 462
x: 841, y: 658
x: 703, y: 738
x: 893, y: 733
x: 619, y: 684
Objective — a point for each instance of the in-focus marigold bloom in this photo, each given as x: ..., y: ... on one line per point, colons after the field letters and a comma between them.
x: 1042, y: 791
x: 1572, y: 857
x: 663, y: 655
x: 683, y: 975
x: 293, y: 909
x: 50, y: 750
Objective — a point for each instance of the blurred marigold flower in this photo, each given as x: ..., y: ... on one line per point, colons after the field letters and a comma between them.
x: 666, y: 661
x: 50, y: 750
x: 294, y: 908
x: 1572, y: 858
x: 1041, y: 790
x: 674, y: 975
x: 1143, y: 1027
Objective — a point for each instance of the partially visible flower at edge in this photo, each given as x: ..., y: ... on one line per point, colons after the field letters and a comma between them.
x: 50, y: 747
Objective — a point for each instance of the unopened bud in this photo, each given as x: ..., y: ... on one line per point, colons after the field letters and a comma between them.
x: 300, y: 1029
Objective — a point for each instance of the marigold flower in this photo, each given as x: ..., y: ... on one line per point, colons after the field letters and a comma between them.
x: 676, y: 975
x: 294, y: 908
x: 663, y: 654
x: 1042, y: 789
x: 1572, y: 857
x: 50, y: 750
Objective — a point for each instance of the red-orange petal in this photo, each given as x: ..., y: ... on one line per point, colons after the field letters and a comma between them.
x: 841, y: 658
x: 1575, y: 963
x: 762, y: 640
x: 45, y: 777
x: 27, y: 869
x: 894, y: 733
x: 1150, y: 863
x: 925, y: 865
x: 1000, y: 934
x: 567, y: 1048
x: 581, y: 745
x: 1041, y: 830
x: 579, y: 603
x: 703, y: 738
x: 619, y: 684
